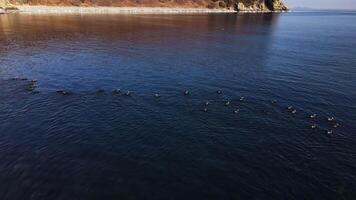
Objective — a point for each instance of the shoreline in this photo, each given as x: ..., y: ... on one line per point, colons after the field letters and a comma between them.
x: 125, y: 10
x: 115, y: 10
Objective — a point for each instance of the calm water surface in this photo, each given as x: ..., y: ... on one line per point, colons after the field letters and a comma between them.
x: 93, y: 144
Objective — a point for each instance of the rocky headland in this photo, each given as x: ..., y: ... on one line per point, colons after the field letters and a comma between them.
x: 143, y: 5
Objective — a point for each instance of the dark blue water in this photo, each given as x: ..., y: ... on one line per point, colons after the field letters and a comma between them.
x: 95, y: 144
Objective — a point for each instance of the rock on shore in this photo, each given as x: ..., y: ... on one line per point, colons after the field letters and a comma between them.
x: 238, y: 5
x: 260, y: 5
x: 8, y: 9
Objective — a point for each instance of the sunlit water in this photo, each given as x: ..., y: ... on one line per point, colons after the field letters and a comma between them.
x: 96, y: 144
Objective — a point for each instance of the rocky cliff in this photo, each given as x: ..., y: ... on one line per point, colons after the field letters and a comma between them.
x: 239, y: 5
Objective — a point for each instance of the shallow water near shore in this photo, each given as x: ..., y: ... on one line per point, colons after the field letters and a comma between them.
x: 93, y: 143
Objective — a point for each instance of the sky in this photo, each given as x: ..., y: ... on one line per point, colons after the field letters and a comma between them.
x: 322, y: 4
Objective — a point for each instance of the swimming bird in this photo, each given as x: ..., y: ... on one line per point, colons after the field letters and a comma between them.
x: 32, y: 85
x: 313, y: 116
x: 294, y: 111
x: 330, y: 119
x: 236, y: 111
x: 219, y: 92
x: 290, y: 107
x: 313, y: 126
x: 62, y: 92
x: 205, y: 109
x: 128, y: 93
x: 266, y: 112
x: 207, y: 103
x: 336, y: 125
x: 186, y: 92
x: 242, y: 98
x: 227, y: 103
x: 329, y: 132
x: 31, y: 88
x: 117, y: 91
x: 100, y: 91
x: 274, y: 101
x: 157, y: 95
x: 33, y: 81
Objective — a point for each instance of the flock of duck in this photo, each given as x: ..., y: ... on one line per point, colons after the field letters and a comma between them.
x: 331, y: 120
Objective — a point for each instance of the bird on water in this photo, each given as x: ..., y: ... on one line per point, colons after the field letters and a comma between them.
x: 100, y: 91
x: 330, y: 119
x: 336, y: 125
x: 313, y: 116
x: 117, y: 91
x: 62, y: 92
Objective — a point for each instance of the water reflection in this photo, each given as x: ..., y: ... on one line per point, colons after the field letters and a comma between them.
x: 154, y: 38
x: 143, y: 28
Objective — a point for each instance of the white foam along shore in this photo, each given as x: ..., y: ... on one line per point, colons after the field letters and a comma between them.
x: 115, y: 10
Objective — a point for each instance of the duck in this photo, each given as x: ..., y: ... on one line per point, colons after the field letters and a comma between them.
x: 236, y: 111
x: 329, y: 132
x: 274, y: 101
x: 313, y: 126
x: 157, y: 95
x: 62, y: 92
x: 34, y: 81
x: 219, y: 92
x: 205, y: 109
x: 227, y: 103
x: 117, y: 91
x: 266, y: 112
x: 186, y: 92
x: 313, y: 116
x: 31, y: 88
x: 128, y: 93
x: 242, y: 98
x: 100, y: 91
x: 336, y: 125
x: 290, y: 107
x: 294, y: 111
x: 207, y: 103
x: 330, y: 119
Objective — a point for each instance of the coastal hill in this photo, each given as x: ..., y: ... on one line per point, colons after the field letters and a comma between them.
x: 238, y: 5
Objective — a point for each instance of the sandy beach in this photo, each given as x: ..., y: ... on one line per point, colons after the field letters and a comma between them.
x: 116, y: 10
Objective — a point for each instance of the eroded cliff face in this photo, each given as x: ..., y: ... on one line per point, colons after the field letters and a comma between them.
x: 239, y: 5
